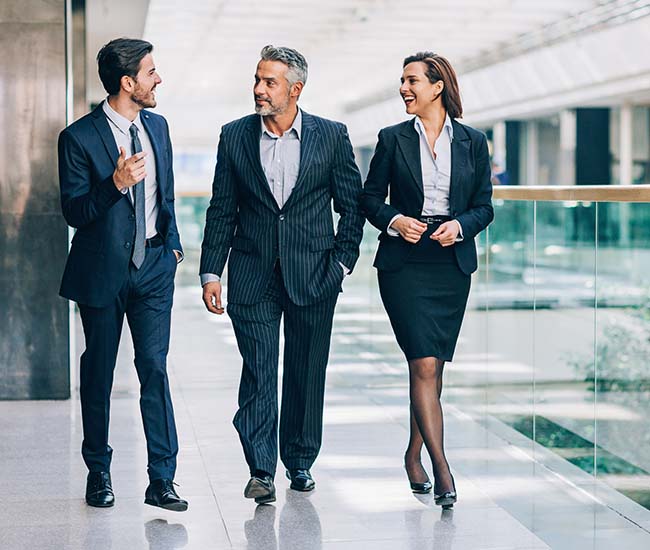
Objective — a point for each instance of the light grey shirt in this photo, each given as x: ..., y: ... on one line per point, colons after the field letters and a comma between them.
x: 119, y: 126
x: 436, y: 173
x: 280, y: 157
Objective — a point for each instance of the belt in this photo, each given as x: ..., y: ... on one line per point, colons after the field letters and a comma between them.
x: 434, y: 219
x: 154, y: 242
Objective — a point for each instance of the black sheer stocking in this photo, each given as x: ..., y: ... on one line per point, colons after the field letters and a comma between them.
x: 427, y: 423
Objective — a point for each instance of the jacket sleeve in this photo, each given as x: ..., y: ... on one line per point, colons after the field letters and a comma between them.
x: 480, y: 212
x: 173, y: 236
x: 221, y: 215
x: 375, y: 190
x: 82, y: 201
x: 346, y: 189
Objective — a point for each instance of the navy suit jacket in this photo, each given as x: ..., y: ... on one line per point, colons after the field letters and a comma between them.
x: 395, y: 171
x: 243, y: 214
x: 98, y: 263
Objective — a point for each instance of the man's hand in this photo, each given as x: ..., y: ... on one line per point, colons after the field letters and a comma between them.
x: 410, y: 229
x: 129, y: 171
x: 212, y: 297
x: 178, y: 256
x: 447, y: 233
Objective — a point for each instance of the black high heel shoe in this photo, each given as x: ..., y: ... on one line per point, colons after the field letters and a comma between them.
x: 448, y: 498
x: 419, y: 488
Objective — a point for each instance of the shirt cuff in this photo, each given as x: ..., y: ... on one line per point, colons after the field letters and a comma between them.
x: 393, y: 232
x: 209, y: 278
x: 346, y: 271
x: 460, y: 232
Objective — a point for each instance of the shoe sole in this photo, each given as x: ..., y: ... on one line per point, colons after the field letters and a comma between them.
x: 266, y: 499
x: 175, y: 507
x: 302, y: 489
x: 446, y: 502
x: 421, y: 491
x: 110, y: 505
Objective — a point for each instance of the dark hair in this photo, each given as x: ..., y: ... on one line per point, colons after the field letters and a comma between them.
x: 438, y: 68
x: 118, y: 58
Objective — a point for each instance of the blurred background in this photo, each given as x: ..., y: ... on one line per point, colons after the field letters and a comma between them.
x: 554, y: 355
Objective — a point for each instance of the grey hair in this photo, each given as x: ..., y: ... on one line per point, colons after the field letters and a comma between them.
x: 291, y: 58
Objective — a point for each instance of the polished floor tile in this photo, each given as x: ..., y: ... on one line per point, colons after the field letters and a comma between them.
x: 507, y: 500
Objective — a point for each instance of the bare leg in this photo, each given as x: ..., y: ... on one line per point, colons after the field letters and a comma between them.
x: 425, y: 391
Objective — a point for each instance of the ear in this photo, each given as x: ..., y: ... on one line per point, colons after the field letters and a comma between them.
x: 439, y: 86
x: 127, y: 83
x: 296, y: 89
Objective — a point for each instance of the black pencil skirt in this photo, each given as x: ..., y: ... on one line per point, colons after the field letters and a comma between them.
x: 426, y: 300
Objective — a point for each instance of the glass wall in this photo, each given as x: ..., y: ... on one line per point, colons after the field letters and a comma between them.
x: 561, y: 315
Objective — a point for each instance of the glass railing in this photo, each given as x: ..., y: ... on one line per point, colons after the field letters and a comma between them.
x: 554, y: 353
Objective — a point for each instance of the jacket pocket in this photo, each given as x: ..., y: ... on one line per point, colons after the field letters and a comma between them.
x: 242, y: 244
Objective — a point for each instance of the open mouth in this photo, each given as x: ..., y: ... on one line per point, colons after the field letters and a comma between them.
x: 408, y: 99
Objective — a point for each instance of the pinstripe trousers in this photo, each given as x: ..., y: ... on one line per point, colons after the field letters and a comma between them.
x: 307, y: 334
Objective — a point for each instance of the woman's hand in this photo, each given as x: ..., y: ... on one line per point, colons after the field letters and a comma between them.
x: 409, y: 229
x: 447, y: 233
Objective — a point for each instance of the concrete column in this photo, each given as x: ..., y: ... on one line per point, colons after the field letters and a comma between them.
x: 532, y: 153
x: 567, y: 169
x: 625, y: 144
x: 33, y: 235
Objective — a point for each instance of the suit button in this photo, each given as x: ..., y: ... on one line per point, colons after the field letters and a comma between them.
x: 132, y: 216
x: 281, y: 217
x: 127, y: 245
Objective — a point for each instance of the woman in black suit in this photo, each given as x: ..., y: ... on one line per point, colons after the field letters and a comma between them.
x: 436, y: 172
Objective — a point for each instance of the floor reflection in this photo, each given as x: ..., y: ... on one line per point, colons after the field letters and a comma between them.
x: 299, y: 527
x: 418, y: 523
x: 162, y: 535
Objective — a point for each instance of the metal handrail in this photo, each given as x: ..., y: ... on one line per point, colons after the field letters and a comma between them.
x: 585, y: 193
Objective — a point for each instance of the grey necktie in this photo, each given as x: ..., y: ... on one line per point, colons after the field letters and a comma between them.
x: 138, y: 203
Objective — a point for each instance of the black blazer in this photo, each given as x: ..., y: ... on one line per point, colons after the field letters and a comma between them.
x: 98, y: 263
x: 395, y: 170
x: 244, y: 216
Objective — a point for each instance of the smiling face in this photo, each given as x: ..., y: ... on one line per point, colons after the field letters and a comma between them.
x: 418, y: 93
x: 143, y: 88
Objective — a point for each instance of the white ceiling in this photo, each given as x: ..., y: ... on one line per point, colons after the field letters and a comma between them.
x: 206, y: 52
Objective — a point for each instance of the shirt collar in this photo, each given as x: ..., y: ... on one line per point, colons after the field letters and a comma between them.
x: 296, y: 126
x: 122, y: 123
x: 419, y: 126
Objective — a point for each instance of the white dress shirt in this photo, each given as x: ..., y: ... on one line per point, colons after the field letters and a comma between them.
x: 436, y: 173
x: 119, y: 126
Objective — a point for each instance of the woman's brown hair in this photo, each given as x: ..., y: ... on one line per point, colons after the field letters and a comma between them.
x: 438, y: 68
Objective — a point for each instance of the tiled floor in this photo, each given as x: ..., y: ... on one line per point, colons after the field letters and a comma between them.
x: 506, y: 500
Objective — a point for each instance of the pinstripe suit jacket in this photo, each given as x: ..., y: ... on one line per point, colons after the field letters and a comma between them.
x: 243, y: 218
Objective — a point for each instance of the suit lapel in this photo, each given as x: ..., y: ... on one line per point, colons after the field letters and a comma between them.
x: 146, y: 122
x: 459, y: 161
x: 108, y: 139
x: 252, y: 149
x: 309, y: 144
x: 409, y: 143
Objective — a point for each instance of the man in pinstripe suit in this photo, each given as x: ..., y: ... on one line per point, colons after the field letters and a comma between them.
x: 278, y: 173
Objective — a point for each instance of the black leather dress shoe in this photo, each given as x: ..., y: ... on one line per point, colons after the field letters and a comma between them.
x: 99, y: 490
x: 262, y: 489
x: 161, y: 493
x: 301, y: 480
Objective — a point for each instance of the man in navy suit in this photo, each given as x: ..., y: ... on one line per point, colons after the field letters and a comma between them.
x: 278, y: 174
x: 117, y: 190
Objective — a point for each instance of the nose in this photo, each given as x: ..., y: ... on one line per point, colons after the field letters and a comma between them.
x: 157, y: 79
x: 403, y: 88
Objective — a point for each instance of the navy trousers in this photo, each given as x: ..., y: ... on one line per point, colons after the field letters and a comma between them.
x: 146, y: 299
x: 307, y: 335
